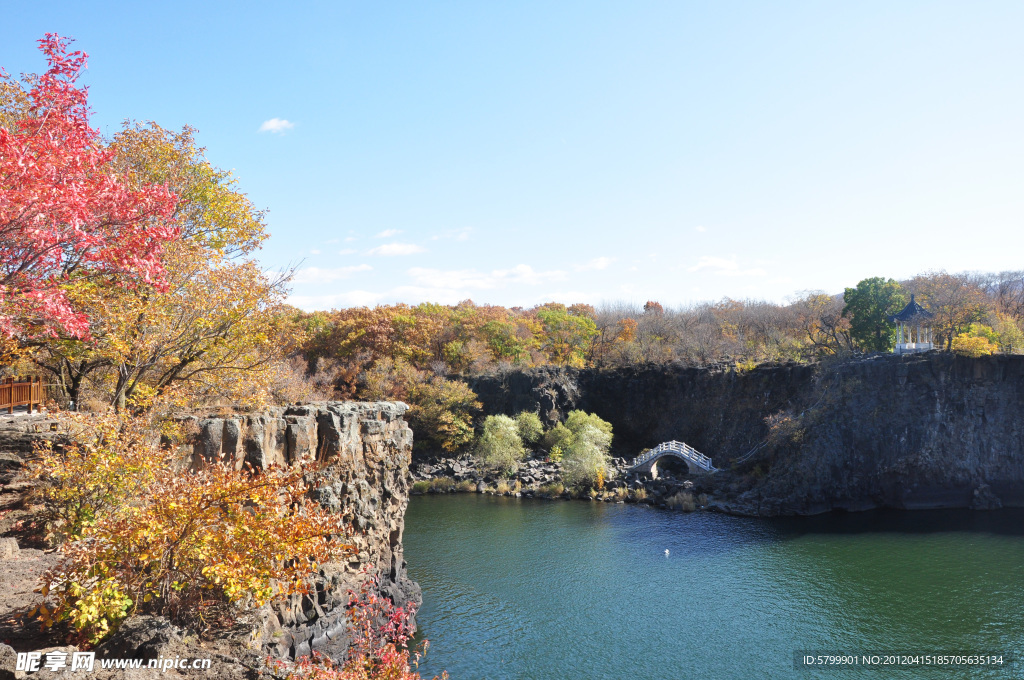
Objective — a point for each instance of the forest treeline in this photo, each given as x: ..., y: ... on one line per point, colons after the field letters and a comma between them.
x: 351, y: 345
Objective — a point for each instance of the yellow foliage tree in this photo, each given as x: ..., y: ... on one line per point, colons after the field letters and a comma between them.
x: 150, y: 536
x: 973, y: 345
x: 216, y: 327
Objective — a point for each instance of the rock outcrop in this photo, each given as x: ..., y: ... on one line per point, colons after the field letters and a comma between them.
x: 932, y: 430
x: 365, y: 451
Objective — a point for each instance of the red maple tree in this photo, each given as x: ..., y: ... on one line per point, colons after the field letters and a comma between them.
x: 64, y: 214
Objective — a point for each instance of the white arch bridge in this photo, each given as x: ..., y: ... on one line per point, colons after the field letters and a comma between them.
x: 696, y: 462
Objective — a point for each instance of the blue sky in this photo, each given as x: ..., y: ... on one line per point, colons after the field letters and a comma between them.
x: 518, y: 153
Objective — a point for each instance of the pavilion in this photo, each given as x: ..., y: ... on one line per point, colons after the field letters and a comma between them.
x: 913, y: 329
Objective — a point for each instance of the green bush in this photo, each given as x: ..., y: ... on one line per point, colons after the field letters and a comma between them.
x: 578, y: 420
x: 420, y: 487
x: 529, y: 426
x: 499, y: 445
x: 466, y: 486
x: 558, y: 436
x: 585, y: 461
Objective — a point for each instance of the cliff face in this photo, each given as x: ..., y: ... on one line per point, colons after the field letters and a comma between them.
x: 365, y: 449
x: 931, y: 431
x: 718, y: 412
x: 924, y: 431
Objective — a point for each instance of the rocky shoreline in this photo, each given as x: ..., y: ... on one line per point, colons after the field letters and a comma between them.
x: 540, y: 477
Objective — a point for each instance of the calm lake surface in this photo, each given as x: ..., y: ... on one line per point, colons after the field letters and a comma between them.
x: 517, y: 588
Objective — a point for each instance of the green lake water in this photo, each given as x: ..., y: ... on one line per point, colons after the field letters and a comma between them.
x: 518, y: 588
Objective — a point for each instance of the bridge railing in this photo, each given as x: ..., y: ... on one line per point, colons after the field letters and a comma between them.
x: 682, y: 449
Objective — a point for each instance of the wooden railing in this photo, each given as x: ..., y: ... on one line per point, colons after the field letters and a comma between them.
x: 22, y: 392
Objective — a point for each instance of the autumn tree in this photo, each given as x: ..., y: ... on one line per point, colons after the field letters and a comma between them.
x: 1005, y: 290
x: 567, y: 335
x: 442, y: 412
x: 956, y: 300
x: 215, y: 323
x: 66, y: 214
x: 869, y: 307
x: 819, y: 317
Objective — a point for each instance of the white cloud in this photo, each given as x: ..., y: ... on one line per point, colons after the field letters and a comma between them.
x: 701, y: 228
x: 346, y: 251
x: 314, y: 252
x: 350, y: 239
x: 724, y: 267
x: 388, y: 233
x: 389, y: 249
x: 318, y: 275
x: 276, y: 125
x: 597, y: 263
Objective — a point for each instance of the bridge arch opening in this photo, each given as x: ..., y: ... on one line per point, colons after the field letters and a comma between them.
x: 670, y: 466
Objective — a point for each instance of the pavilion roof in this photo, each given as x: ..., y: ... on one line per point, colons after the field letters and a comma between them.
x: 912, y: 312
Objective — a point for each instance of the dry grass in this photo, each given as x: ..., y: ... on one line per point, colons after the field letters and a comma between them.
x: 442, y: 485
x: 552, y: 490
x: 466, y: 486
x: 682, y: 500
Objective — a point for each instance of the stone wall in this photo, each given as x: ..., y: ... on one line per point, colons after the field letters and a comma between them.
x: 366, y: 449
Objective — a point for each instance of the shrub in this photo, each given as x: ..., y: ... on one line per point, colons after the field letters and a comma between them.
x: 503, y: 487
x: 551, y: 490
x: 578, y: 420
x: 557, y: 437
x: 683, y: 500
x: 499, y: 445
x: 171, y: 541
x: 379, y: 645
x: 973, y: 346
x: 421, y: 486
x: 442, y: 485
x: 621, y: 493
x: 640, y: 494
x: 529, y: 426
x: 108, y: 462
x: 555, y: 454
x: 466, y: 486
x: 586, y: 459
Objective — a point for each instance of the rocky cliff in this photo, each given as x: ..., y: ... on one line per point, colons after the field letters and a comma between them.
x: 925, y: 431
x: 719, y: 411
x: 365, y: 449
